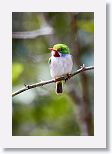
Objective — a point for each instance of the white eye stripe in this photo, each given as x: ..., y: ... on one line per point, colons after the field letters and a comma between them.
x: 53, y: 52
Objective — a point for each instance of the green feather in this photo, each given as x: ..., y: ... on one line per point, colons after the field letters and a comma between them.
x: 62, y: 48
x: 49, y: 61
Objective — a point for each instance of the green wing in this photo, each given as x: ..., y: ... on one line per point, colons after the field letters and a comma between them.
x: 49, y: 61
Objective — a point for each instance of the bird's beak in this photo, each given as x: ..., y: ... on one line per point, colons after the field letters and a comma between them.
x: 50, y: 49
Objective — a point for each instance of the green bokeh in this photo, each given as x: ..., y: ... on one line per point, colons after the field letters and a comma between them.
x: 40, y: 111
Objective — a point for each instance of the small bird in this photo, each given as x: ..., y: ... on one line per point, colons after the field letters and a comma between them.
x: 60, y: 63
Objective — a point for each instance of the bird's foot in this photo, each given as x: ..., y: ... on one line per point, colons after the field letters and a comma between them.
x: 68, y: 76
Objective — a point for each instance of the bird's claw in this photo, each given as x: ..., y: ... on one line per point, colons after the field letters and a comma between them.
x: 68, y: 76
x: 66, y: 79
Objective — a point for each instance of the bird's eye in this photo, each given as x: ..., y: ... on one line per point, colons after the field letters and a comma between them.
x: 60, y: 49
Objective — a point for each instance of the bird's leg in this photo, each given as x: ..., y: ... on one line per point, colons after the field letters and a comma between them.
x: 68, y: 76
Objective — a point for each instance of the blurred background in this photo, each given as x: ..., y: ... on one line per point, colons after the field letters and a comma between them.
x: 40, y: 111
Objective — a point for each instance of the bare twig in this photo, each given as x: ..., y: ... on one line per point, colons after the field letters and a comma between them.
x: 33, y: 34
x: 27, y: 87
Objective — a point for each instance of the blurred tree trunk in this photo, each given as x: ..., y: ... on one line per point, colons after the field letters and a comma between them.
x: 85, y: 116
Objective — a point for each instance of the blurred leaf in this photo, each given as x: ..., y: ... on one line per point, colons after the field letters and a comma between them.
x: 61, y: 23
x: 26, y: 21
x: 17, y: 69
x: 87, y: 26
x: 53, y: 108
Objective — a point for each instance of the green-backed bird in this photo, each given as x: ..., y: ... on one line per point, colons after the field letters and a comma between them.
x: 60, y: 63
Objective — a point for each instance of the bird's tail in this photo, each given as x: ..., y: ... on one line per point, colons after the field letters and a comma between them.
x: 59, y: 88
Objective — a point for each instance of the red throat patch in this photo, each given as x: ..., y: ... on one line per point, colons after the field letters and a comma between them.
x: 56, y: 54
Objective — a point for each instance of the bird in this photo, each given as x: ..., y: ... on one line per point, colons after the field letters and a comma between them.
x: 60, y: 63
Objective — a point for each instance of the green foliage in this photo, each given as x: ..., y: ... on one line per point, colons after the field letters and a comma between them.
x: 53, y: 107
x: 61, y: 23
x: 17, y: 70
x: 87, y: 26
x: 40, y: 111
x: 51, y: 115
x: 25, y: 21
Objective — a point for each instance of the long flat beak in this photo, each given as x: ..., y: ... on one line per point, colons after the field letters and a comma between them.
x: 50, y: 49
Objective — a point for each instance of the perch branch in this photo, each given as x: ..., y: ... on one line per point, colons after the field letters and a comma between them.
x: 27, y: 87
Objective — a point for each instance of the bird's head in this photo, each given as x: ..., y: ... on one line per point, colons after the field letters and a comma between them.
x: 59, y: 49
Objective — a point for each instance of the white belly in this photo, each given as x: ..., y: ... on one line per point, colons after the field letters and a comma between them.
x: 60, y: 65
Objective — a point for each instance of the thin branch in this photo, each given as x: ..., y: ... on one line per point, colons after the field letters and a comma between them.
x: 33, y: 34
x: 27, y: 87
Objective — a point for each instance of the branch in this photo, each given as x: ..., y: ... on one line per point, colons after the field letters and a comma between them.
x: 27, y: 87
x: 33, y: 34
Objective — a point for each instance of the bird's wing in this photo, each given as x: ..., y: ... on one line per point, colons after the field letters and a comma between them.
x: 49, y: 61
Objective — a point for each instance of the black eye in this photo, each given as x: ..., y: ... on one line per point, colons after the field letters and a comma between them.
x: 60, y: 49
